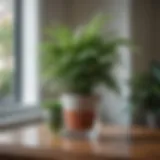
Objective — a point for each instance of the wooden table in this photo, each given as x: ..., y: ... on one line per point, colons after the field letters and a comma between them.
x: 36, y: 142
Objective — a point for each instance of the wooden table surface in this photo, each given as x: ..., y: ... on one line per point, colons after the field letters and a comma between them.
x: 36, y: 142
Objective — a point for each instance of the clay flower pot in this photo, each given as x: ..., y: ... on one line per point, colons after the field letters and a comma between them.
x: 79, y: 112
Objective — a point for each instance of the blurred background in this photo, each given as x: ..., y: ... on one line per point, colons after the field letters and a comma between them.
x: 22, y: 24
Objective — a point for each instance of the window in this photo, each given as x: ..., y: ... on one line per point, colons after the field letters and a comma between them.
x: 6, y: 51
x: 19, y: 40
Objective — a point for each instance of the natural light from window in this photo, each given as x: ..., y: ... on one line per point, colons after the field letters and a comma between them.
x: 6, y: 50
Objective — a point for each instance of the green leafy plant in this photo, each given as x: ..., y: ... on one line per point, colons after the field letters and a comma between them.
x: 145, y: 93
x: 55, y: 114
x: 79, y: 60
x: 51, y: 104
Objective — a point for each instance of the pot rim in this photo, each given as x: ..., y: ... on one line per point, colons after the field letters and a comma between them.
x: 74, y: 101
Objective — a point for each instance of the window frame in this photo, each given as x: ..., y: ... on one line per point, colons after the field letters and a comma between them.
x: 18, y: 113
x: 18, y: 50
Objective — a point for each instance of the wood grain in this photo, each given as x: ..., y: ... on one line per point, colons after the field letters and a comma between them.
x: 115, y: 142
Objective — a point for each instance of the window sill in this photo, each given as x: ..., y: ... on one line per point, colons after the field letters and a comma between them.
x: 19, y: 116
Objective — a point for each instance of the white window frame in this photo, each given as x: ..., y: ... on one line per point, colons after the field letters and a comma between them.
x: 26, y: 85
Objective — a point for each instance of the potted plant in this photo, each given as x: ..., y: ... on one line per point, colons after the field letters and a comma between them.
x: 78, y: 61
x: 54, y: 114
x: 145, y: 99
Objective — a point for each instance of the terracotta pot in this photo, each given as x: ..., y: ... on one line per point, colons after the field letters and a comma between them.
x: 79, y: 112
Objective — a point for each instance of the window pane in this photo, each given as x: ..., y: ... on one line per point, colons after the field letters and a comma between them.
x: 6, y: 51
